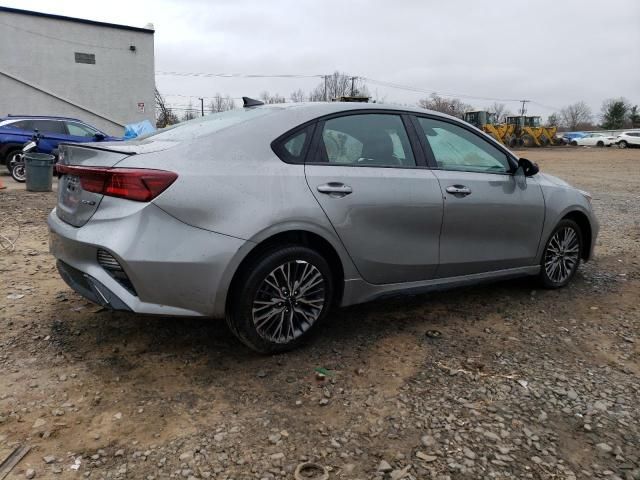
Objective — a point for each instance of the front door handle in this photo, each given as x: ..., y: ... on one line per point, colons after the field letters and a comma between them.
x: 335, y: 189
x: 458, y: 190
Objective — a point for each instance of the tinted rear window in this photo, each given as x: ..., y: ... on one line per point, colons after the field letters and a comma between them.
x: 20, y: 124
x: 202, y: 126
x: 50, y: 126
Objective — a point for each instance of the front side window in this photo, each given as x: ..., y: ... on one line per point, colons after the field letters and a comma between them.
x: 456, y: 148
x: 378, y: 140
x: 79, y: 130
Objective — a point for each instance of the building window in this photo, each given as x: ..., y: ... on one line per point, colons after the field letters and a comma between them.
x: 89, y: 58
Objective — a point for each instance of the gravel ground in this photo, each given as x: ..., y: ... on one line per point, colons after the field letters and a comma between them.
x: 520, y: 383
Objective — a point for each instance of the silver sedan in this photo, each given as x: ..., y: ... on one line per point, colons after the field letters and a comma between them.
x: 271, y: 215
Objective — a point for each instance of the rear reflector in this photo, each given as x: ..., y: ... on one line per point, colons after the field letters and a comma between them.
x: 139, y: 184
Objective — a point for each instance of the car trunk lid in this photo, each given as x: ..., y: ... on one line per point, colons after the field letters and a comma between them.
x: 76, y: 205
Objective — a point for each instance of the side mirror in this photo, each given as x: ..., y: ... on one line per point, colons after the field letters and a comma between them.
x: 528, y: 167
x: 99, y: 137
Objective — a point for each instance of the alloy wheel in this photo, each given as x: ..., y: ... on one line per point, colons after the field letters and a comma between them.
x: 15, y: 158
x: 288, y: 301
x: 562, y: 255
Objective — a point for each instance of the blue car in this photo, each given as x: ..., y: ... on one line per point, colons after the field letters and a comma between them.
x: 16, y: 130
x: 568, y: 137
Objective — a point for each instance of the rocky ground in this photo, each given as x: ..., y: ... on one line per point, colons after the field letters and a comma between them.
x: 519, y: 383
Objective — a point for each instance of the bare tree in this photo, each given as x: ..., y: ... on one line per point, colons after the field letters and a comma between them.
x: 553, y: 120
x: 576, y: 115
x: 266, y: 97
x: 164, y: 115
x: 500, y: 110
x: 190, y: 113
x: 221, y: 104
x: 338, y: 85
x: 451, y: 106
x: 298, y: 96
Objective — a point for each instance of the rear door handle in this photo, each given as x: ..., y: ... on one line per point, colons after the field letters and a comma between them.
x: 335, y: 189
x: 458, y: 190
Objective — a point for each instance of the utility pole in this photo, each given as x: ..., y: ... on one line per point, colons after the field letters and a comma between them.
x: 352, y: 82
x: 326, y: 77
x: 523, y: 110
x: 202, y: 106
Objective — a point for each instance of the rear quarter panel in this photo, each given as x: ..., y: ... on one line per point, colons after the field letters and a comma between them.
x: 10, y: 140
x: 232, y: 183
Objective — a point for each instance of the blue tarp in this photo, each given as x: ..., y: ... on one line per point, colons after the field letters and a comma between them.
x: 133, y: 130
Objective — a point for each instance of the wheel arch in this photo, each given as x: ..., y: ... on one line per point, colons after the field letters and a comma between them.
x: 585, y: 229
x: 7, y: 148
x: 329, y: 247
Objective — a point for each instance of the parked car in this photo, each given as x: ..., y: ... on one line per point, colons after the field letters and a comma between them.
x: 271, y: 215
x: 16, y: 130
x: 628, y: 139
x: 594, y: 140
x: 568, y: 137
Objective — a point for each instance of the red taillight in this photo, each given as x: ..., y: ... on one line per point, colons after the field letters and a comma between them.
x: 139, y: 184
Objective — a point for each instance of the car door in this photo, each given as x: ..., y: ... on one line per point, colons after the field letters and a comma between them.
x: 78, y: 132
x: 52, y: 133
x: 383, y: 204
x: 493, y: 214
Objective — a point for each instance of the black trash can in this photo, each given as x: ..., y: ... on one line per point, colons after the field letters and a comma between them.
x: 39, y: 171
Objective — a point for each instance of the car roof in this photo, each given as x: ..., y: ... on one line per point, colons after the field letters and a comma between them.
x: 343, y: 106
x: 37, y: 117
x: 314, y: 110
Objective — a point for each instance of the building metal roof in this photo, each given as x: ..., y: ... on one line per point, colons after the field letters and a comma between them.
x: 76, y: 20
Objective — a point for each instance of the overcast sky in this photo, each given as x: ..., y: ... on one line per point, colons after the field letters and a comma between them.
x: 551, y: 52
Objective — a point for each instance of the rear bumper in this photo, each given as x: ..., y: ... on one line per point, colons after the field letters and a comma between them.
x: 175, y: 269
x: 90, y: 288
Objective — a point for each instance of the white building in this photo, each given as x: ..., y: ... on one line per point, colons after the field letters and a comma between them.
x: 54, y: 65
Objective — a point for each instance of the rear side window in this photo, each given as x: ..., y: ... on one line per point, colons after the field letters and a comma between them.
x: 372, y: 140
x: 50, y: 126
x: 292, y: 148
x: 22, y: 125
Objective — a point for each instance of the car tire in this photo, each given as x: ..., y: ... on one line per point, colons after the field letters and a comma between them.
x: 561, y: 255
x: 19, y: 172
x: 600, y: 144
x: 258, y: 318
x: 573, y: 143
x: 622, y: 144
x: 9, y: 159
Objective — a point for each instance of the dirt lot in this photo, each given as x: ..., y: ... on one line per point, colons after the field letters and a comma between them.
x: 522, y: 382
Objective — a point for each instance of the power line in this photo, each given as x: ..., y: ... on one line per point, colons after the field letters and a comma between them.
x: 371, y: 80
x: 236, y: 75
x: 437, y: 92
x: 198, y: 96
x: 374, y: 81
x: 548, y: 107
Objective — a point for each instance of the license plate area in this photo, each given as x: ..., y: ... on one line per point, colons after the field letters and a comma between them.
x: 75, y: 205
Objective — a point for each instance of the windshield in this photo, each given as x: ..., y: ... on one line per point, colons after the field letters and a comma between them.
x: 202, y: 126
